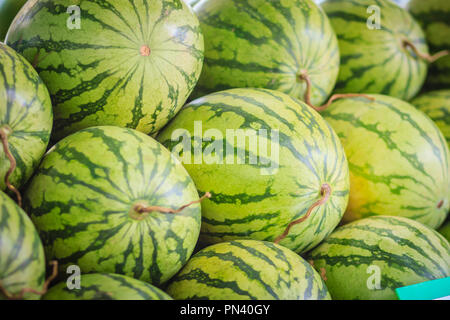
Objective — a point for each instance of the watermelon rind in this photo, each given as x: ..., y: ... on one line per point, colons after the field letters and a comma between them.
x: 83, y: 201
x: 127, y: 63
x: 247, y: 270
x: 105, y: 286
x: 260, y: 185
x: 398, y: 159
x: 22, y: 261
x: 25, y: 115
x: 368, y: 259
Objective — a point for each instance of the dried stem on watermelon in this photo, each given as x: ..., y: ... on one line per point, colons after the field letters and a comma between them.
x: 21, y: 294
x: 140, y: 209
x: 4, y: 132
x: 425, y: 56
x: 305, y: 77
x: 325, y: 193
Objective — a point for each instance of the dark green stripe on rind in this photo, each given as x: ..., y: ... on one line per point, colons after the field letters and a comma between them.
x: 105, y: 286
x: 99, y: 74
x: 81, y: 197
x: 247, y: 270
x: 380, y: 254
x: 22, y: 262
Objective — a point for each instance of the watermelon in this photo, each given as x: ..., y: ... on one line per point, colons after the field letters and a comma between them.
x: 106, y: 286
x: 377, y: 60
x: 86, y: 201
x: 247, y: 270
x: 8, y: 10
x: 26, y: 119
x: 436, y: 105
x: 434, y: 17
x: 370, y: 258
x: 22, y: 261
x: 267, y: 44
x: 130, y: 64
x: 398, y: 159
x: 266, y: 158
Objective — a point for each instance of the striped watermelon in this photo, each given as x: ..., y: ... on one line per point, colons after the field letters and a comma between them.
x: 295, y: 155
x: 25, y: 114
x: 267, y: 44
x: 131, y: 63
x: 8, y: 10
x: 22, y: 261
x: 247, y: 270
x: 106, y: 286
x: 434, y: 17
x: 370, y: 258
x: 376, y: 60
x: 436, y: 105
x: 398, y: 159
x: 85, y: 199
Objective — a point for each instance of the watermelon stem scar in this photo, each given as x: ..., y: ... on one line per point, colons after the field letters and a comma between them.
x: 145, y: 51
x: 141, y: 211
x: 425, y: 56
x: 325, y: 192
x: 22, y: 292
x: 303, y: 75
x: 5, y: 131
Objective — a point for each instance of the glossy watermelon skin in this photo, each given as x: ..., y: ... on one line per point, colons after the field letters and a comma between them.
x: 82, y: 201
x: 434, y: 17
x: 8, y: 10
x: 436, y: 104
x: 106, y: 286
x: 404, y: 251
x: 131, y: 64
x: 247, y: 270
x: 25, y: 113
x: 398, y: 159
x: 374, y: 60
x: 22, y: 261
x: 258, y: 200
x: 267, y: 44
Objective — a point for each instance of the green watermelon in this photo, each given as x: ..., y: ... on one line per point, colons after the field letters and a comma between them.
x: 247, y: 270
x: 445, y: 230
x: 26, y: 117
x: 8, y: 10
x: 266, y: 159
x: 376, y: 60
x: 85, y: 201
x: 22, y: 261
x: 131, y: 64
x: 398, y: 159
x: 106, y: 286
x: 267, y: 44
x: 370, y: 258
x: 436, y: 105
x: 434, y: 17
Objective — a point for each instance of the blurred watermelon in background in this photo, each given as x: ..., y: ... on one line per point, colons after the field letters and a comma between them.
x: 8, y: 10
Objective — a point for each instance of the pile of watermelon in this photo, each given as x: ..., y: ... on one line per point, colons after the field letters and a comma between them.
x: 223, y: 149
